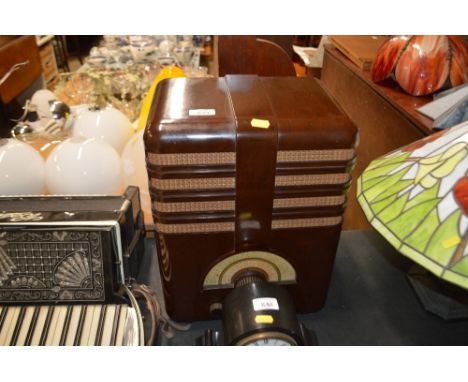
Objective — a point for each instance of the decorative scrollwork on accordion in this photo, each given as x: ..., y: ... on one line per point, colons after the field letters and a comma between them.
x: 73, y: 271
x: 6, y: 265
x: 51, y: 265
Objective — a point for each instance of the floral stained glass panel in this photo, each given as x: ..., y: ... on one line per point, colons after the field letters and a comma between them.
x: 417, y: 198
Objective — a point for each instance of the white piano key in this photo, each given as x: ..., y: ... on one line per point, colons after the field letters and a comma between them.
x: 56, y: 325
x: 80, y: 330
x: 41, y: 319
x: 87, y: 325
x: 46, y: 329
x: 9, y: 325
x: 73, y: 325
x: 115, y: 324
x: 27, y: 320
x: 32, y: 326
x: 100, y: 326
x: 55, y: 341
x: 94, y: 325
x: 66, y: 324
x: 121, y: 327
x: 52, y: 325
x: 108, y: 325
x: 18, y: 326
x: 3, y: 312
x: 6, y: 322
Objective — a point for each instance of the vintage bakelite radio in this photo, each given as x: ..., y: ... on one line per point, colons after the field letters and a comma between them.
x: 246, y: 174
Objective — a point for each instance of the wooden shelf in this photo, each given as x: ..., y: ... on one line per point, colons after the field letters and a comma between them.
x: 49, y: 64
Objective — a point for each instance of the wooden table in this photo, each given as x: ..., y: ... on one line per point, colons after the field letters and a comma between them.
x: 385, y: 116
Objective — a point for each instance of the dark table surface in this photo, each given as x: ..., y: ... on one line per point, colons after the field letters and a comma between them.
x: 370, y: 301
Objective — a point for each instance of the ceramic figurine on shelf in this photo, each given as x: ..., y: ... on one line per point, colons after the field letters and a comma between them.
x: 422, y: 64
x: 44, y: 113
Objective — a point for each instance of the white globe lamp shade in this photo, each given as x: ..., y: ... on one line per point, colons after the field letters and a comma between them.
x: 82, y: 166
x: 22, y: 170
x: 107, y: 124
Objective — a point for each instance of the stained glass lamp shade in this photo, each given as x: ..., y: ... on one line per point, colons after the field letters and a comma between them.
x: 422, y: 64
x: 417, y: 198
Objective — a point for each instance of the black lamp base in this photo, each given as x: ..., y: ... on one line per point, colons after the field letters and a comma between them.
x: 437, y: 296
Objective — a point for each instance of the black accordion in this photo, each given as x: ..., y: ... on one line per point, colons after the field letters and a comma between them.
x: 66, y: 264
x: 69, y: 249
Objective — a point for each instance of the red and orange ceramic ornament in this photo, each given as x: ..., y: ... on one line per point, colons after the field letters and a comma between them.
x: 422, y: 64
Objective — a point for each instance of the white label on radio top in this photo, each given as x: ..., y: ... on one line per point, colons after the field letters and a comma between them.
x: 265, y: 303
x: 198, y: 112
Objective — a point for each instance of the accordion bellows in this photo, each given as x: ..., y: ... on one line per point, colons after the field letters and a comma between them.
x: 246, y: 173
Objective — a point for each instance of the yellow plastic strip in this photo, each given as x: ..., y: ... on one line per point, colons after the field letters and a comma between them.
x: 264, y: 319
x: 260, y: 123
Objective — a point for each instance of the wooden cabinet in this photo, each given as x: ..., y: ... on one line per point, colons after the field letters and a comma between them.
x: 49, y: 64
x: 15, y: 51
x: 385, y: 116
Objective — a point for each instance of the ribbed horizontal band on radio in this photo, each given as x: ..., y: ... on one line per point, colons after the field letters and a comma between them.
x: 226, y: 158
x: 229, y: 205
x: 230, y: 226
x: 311, y: 180
x: 306, y: 223
x: 194, y: 227
x: 314, y: 155
x: 223, y: 183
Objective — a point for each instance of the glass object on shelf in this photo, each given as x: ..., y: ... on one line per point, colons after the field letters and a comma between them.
x: 167, y: 45
x: 77, y: 89
x: 123, y: 80
x: 141, y: 47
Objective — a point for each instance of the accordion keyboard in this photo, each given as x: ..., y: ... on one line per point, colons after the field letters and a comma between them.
x: 69, y: 325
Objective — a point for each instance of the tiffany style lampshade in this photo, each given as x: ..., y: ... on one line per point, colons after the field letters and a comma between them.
x: 417, y: 198
x: 423, y: 64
